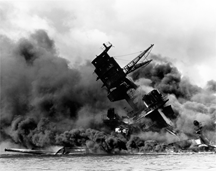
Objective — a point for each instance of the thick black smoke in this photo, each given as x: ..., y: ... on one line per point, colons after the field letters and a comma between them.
x: 46, y: 102
x: 42, y: 96
x: 189, y: 101
x: 167, y: 79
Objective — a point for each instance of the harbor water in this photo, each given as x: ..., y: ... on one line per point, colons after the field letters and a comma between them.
x: 139, y: 162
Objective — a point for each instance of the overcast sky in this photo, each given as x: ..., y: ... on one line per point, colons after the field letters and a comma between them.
x: 184, y: 31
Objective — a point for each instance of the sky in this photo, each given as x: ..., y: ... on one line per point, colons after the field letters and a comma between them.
x: 183, y: 31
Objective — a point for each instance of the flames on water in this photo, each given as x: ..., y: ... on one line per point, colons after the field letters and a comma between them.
x: 45, y: 102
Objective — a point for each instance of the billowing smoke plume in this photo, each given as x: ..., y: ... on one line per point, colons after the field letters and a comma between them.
x: 46, y: 102
x: 42, y: 96
x: 189, y: 101
x: 167, y: 79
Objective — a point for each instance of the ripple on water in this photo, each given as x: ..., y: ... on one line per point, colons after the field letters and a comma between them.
x: 195, y: 162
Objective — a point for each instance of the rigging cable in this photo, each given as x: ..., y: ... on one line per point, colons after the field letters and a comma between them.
x: 146, y: 55
x: 128, y: 54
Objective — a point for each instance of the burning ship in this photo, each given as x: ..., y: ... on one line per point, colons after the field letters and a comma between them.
x: 119, y: 87
x: 148, y: 112
x: 152, y: 114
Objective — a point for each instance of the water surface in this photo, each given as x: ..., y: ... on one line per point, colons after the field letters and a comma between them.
x: 186, y: 162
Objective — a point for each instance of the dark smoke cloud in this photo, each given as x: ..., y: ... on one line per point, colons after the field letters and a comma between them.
x: 38, y: 86
x: 167, y: 79
x: 188, y: 101
x: 46, y: 102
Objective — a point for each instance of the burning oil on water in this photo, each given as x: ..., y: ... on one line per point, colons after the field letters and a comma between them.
x: 144, y: 107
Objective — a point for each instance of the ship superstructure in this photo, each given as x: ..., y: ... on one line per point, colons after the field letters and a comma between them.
x: 119, y: 87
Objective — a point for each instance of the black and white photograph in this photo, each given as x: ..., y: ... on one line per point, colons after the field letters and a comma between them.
x: 107, y: 85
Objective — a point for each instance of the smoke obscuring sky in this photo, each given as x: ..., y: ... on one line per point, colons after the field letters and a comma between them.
x: 183, y: 31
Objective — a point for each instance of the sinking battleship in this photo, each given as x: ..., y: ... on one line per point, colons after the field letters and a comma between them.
x: 120, y: 87
x: 151, y: 113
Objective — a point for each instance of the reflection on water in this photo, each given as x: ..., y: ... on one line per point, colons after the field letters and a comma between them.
x: 188, y: 162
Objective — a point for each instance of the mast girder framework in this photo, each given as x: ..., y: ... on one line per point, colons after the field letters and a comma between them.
x: 131, y: 66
